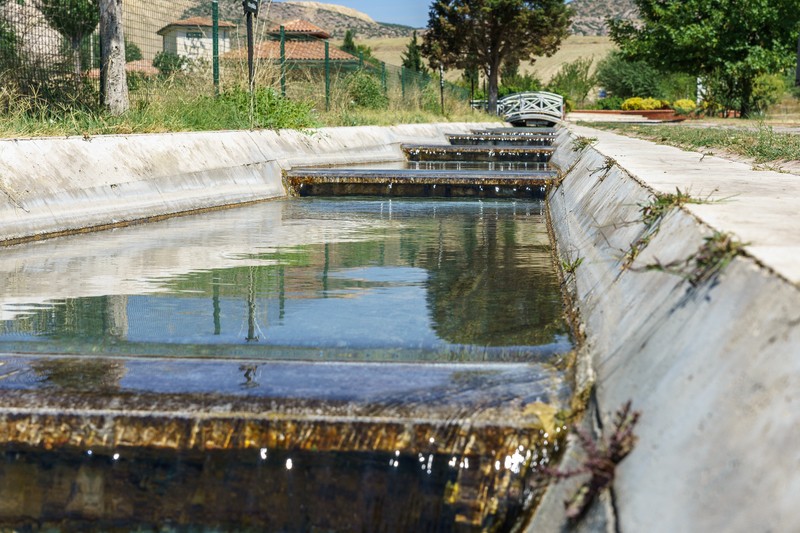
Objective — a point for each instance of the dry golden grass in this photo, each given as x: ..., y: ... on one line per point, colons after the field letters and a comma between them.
x: 575, y: 47
x: 391, y: 51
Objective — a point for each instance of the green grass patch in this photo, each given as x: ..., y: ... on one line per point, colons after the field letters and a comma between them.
x: 761, y: 143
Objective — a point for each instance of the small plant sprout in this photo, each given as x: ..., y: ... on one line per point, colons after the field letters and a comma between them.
x: 606, y: 167
x: 714, y: 255
x: 571, y: 266
x: 652, y: 213
x: 600, y: 462
x: 716, y: 252
x: 581, y: 143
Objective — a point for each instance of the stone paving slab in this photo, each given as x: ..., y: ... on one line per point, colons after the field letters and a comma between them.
x: 759, y: 207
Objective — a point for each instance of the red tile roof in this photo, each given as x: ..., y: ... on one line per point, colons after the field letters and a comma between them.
x: 300, y: 26
x: 194, y: 22
x: 295, y: 51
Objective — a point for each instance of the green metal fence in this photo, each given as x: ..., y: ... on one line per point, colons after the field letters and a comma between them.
x: 50, y: 50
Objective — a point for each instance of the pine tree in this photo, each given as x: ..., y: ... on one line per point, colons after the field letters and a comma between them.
x: 349, y: 44
x: 412, y: 58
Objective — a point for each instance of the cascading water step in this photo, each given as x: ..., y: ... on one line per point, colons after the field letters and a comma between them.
x: 440, y: 152
x: 506, y: 139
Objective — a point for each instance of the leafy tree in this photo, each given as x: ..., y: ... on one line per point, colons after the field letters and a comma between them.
x: 493, y: 33
x: 8, y: 47
x: 728, y: 39
x: 412, y: 57
x: 74, y: 19
x: 625, y: 79
x: 574, y: 80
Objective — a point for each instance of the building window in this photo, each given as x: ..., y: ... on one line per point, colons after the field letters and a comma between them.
x: 194, y: 35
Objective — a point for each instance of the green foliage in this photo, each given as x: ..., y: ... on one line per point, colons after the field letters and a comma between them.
x: 734, y: 42
x: 366, y: 90
x: 74, y: 19
x: 349, y: 44
x: 643, y: 104
x: 491, y: 34
x: 412, y: 58
x: 519, y: 83
x: 269, y: 109
x: 626, y: 79
x: 574, y: 80
x: 610, y: 103
x: 169, y: 63
x: 684, y: 106
x: 8, y: 47
x: 767, y: 90
x: 132, y: 51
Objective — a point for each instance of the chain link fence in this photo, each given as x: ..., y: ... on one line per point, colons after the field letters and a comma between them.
x: 50, y: 51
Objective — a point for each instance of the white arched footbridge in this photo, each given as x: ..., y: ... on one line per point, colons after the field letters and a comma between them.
x: 532, y: 108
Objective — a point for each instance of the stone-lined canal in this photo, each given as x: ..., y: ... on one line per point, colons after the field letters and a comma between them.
x: 314, y: 364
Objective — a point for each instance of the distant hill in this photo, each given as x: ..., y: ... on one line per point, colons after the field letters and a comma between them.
x: 590, y: 15
x: 333, y: 18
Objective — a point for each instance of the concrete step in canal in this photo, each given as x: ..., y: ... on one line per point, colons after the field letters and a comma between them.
x: 471, y: 170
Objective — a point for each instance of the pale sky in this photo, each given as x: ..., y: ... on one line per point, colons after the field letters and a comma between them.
x: 412, y: 13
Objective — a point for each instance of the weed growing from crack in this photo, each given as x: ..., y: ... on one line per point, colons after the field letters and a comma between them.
x: 716, y: 252
x: 652, y: 213
x: 581, y: 143
x: 608, y: 164
x: 571, y: 266
x: 600, y: 462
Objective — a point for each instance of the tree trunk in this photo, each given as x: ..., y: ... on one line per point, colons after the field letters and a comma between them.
x: 745, y: 105
x: 113, y: 80
x: 494, y: 82
x: 76, y: 58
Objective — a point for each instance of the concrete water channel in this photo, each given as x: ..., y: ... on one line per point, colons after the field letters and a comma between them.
x: 387, y: 353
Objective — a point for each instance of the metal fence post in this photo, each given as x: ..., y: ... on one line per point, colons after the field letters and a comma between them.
x: 327, y: 77
x: 215, y: 44
x: 403, y: 82
x: 283, y: 62
x: 383, y: 77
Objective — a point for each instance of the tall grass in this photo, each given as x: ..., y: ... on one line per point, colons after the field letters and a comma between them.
x: 185, y: 102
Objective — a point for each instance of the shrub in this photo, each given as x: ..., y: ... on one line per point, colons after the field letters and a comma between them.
x: 627, y: 78
x: 269, y: 109
x: 684, y: 106
x: 574, y: 80
x: 767, y: 90
x: 610, y: 103
x: 169, y: 63
x: 643, y: 104
x: 366, y: 90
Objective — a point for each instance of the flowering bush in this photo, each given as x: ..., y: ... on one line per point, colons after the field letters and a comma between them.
x: 683, y: 106
x: 643, y: 104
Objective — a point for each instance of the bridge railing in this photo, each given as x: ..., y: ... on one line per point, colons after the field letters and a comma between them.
x: 533, y: 105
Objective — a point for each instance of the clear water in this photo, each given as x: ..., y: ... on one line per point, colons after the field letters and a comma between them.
x: 385, y: 310
x: 311, y: 279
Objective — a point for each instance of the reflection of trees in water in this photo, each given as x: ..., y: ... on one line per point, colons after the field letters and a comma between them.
x: 486, y: 288
x: 80, y: 374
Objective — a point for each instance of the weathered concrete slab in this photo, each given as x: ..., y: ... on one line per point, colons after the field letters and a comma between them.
x: 54, y: 185
x: 714, y: 367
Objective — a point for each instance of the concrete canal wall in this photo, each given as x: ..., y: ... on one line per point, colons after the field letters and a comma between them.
x: 714, y: 368
x: 51, y: 186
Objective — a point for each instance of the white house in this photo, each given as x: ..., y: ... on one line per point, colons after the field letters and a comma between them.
x: 192, y: 37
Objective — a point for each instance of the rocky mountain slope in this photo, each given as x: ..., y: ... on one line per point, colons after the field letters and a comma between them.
x: 333, y: 18
x: 590, y: 15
